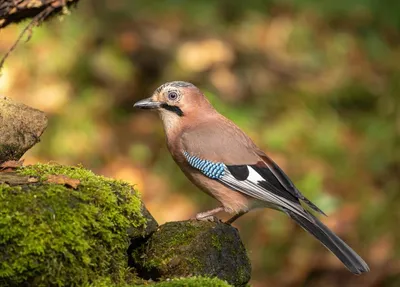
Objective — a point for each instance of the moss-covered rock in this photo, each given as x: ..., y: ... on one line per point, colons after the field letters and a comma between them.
x: 189, y: 248
x: 53, y: 235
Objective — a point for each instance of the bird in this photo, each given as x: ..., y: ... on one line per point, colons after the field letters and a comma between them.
x: 221, y: 160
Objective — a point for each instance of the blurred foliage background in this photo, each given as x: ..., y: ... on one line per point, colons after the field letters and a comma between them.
x: 315, y: 83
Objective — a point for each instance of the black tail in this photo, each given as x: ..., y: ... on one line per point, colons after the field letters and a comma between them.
x: 331, y: 241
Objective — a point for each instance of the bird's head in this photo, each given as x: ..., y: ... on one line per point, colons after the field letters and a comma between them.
x: 176, y: 102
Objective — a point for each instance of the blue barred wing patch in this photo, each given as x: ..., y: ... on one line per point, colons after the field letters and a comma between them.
x: 214, y: 170
x: 247, y: 179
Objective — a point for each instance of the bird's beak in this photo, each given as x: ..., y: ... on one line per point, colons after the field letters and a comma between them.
x: 148, y: 104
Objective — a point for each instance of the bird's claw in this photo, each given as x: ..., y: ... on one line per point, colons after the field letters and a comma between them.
x: 210, y: 218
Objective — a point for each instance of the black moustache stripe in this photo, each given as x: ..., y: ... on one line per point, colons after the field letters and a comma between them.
x: 173, y: 109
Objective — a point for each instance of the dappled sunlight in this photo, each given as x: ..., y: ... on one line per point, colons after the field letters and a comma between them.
x: 316, y: 86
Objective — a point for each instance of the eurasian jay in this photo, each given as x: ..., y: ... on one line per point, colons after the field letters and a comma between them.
x: 220, y: 159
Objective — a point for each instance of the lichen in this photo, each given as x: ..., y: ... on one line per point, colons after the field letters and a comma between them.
x: 54, y: 235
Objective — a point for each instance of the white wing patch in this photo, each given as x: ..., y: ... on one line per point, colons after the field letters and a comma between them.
x: 253, y: 175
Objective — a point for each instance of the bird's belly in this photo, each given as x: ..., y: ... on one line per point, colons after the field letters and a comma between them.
x: 233, y: 201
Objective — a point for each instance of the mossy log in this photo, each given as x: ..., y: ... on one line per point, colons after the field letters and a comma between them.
x: 188, y: 248
x: 20, y: 128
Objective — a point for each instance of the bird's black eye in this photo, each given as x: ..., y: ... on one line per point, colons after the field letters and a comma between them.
x: 172, y: 96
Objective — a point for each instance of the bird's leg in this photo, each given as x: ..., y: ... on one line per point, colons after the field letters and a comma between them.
x: 209, y: 215
x: 236, y: 216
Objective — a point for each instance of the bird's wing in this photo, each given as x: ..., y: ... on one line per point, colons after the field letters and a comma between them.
x: 223, y: 152
x: 249, y: 180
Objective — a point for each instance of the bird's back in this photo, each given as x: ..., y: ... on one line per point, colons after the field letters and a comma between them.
x: 217, y: 139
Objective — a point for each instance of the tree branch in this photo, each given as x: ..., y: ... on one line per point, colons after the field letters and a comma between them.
x: 14, y: 11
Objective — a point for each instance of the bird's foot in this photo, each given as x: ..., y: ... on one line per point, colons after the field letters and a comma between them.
x: 211, y: 218
x: 209, y: 215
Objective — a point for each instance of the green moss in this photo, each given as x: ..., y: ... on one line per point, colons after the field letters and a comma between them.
x: 216, y: 242
x: 54, y: 235
x: 51, y: 235
x: 243, y: 274
x: 195, y: 262
x: 183, y: 282
x: 176, y: 239
x: 77, y: 172
x: 107, y: 281
x: 193, y: 282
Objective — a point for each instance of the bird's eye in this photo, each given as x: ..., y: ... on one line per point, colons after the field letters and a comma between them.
x: 172, y: 96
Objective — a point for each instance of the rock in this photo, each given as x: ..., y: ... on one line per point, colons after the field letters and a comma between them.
x: 58, y: 234
x: 193, y: 248
x: 20, y: 129
x: 55, y: 235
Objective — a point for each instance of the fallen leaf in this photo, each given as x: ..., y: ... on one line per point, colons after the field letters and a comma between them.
x: 11, y: 165
x: 64, y: 180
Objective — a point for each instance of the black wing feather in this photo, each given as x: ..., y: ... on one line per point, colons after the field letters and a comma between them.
x: 273, y: 174
x: 240, y: 172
